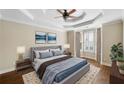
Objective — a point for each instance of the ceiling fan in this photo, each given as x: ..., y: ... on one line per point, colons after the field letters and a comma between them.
x: 66, y: 14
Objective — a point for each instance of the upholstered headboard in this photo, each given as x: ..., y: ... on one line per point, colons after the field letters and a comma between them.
x: 42, y: 48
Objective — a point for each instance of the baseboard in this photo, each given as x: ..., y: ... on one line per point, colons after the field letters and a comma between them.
x: 7, y: 70
x: 106, y: 64
x: 89, y: 58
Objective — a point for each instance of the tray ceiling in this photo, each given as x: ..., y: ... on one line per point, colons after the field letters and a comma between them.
x: 46, y: 17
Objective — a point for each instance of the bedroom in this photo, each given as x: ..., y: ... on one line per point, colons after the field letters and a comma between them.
x: 20, y: 30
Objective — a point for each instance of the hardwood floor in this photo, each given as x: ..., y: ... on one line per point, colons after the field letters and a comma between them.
x: 16, y: 77
x: 103, y: 75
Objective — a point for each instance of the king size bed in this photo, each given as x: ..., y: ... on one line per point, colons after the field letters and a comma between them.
x: 53, y: 67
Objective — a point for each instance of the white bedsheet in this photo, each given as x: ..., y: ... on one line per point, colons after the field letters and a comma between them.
x: 38, y: 62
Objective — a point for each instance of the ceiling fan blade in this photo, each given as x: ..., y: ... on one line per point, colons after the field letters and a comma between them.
x: 72, y: 11
x: 72, y: 16
x: 60, y: 11
x: 58, y: 16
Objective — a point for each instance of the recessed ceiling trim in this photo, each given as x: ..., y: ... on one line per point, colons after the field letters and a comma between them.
x: 81, y: 24
x: 77, y: 18
x: 86, y: 22
x: 98, y: 16
x: 27, y: 13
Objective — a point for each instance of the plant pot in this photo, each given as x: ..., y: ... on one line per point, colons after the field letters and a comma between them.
x: 121, y: 71
x: 120, y: 63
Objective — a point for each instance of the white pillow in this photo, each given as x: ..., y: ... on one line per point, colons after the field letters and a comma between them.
x: 57, y: 49
x: 37, y: 52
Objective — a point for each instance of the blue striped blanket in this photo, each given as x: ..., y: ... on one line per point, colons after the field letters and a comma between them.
x: 58, y: 71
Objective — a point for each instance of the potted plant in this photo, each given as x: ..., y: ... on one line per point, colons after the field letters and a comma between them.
x: 116, y: 51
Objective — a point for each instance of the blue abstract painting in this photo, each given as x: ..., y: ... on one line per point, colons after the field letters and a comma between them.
x: 51, y: 38
x: 40, y: 37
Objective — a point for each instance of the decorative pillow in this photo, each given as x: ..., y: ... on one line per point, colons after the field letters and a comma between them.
x: 57, y: 49
x: 37, y: 55
x: 57, y: 53
x: 45, y: 55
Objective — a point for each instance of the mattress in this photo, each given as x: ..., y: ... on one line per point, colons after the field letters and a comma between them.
x: 62, y: 75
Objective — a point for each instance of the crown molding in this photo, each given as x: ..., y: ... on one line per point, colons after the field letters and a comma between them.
x: 113, y: 22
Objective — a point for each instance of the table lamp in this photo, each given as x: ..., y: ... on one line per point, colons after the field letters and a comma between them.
x: 20, y: 52
x: 66, y: 46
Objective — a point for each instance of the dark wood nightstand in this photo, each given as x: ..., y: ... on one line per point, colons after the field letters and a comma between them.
x: 67, y: 53
x: 20, y: 65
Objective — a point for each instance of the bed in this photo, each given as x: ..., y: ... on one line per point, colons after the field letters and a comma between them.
x: 60, y: 69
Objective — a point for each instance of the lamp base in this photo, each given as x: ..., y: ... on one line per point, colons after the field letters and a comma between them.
x: 67, y: 53
x: 20, y: 57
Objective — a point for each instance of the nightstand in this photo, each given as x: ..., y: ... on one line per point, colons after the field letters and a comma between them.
x: 67, y: 53
x: 20, y: 65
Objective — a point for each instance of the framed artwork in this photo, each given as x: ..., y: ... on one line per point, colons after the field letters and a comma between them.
x: 40, y: 37
x: 51, y: 38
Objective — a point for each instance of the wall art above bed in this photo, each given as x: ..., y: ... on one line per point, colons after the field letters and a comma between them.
x: 43, y: 38
x: 51, y: 38
x: 40, y: 37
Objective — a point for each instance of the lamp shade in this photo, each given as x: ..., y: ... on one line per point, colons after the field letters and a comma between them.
x: 67, y: 46
x: 21, y: 50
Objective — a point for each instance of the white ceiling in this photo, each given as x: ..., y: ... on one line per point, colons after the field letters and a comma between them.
x: 45, y: 17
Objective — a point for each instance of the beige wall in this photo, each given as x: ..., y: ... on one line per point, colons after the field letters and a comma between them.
x: 14, y: 35
x: 111, y: 34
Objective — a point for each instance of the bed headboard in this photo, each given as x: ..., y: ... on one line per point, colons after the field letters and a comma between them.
x: 42, y: 48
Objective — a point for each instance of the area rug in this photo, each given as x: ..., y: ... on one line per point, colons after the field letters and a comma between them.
x: 88, y: 78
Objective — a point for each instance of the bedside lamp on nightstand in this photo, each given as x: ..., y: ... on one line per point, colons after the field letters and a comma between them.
x: 22, y: 63
x: 20, y: 52
x: 66, y: 47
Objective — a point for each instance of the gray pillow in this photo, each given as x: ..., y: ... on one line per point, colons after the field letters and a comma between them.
x: 57, y: 53
x: 45, y: 55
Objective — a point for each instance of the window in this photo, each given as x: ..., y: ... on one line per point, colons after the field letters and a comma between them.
x: 88, y: 44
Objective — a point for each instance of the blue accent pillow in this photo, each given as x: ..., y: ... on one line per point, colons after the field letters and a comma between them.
x: 45, y: 55
x: 57, y: 53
